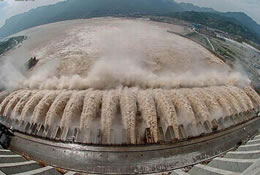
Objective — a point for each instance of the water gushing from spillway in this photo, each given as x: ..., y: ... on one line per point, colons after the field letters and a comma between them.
x: 43, y: 107
x: 166, y: 111
x: 29, y: 107
x: 20, y: 105
x: 128, y: 105
x: 130, y: 115
x: 211, y: 102
x: 56, y: 110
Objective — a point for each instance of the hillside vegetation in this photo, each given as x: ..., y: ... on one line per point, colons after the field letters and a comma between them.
x: 220, y: 22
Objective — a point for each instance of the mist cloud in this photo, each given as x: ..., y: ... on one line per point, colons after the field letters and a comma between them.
x: 125, y: 58
x: 123, y: 63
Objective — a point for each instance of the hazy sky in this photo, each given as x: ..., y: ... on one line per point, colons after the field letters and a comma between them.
x: 9, y: 8
x: 250, y: 7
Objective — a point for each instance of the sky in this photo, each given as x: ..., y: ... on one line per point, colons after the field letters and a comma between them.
x: 250, y: 7
x: 10, y: 8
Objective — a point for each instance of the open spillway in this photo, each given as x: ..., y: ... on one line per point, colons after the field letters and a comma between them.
x: 129, y: 130
x: 132, y: 116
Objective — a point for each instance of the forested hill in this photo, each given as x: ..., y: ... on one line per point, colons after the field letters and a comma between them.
x: 241, y: 17
x: 219, y: 21
x: 75, y: 9
x: 244, y: 20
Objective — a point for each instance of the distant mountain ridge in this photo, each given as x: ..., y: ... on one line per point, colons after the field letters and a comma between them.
x: 191, y: 7
x: 244, y: 19
x: 218, y: 21
x: 75, y: 9
x: 241, y: 17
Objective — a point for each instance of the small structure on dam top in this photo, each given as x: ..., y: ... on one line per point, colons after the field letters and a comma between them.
x: 151, y: 101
